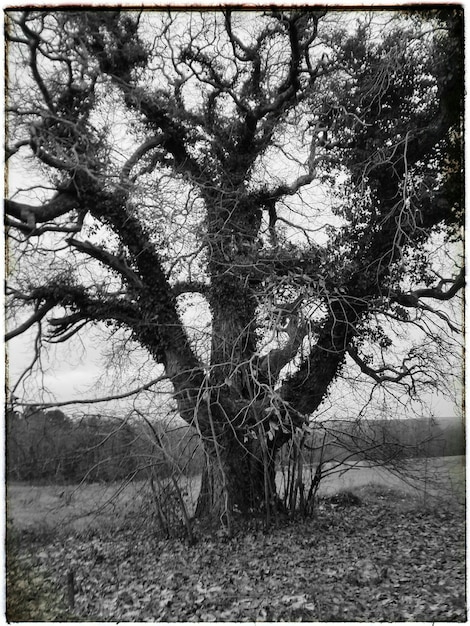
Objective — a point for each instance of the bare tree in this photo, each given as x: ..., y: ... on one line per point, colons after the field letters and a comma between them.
x: 298, y: 171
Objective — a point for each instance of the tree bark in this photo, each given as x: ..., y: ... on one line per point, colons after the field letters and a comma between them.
x: 238, y: 479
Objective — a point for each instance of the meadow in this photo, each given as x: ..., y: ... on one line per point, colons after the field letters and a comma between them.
x: 94, y: 505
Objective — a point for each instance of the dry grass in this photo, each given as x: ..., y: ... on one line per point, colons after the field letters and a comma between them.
x: 421, y: 478
x: 79, y: 507
x: 95, y: 505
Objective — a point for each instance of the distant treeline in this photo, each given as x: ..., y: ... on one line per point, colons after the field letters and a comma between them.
x: 50, y: 446
x: 380, y: 440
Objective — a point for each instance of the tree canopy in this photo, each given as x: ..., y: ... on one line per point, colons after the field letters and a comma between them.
x: 296, y: 172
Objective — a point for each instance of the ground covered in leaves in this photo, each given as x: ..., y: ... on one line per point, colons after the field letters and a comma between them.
x: 388, y: 558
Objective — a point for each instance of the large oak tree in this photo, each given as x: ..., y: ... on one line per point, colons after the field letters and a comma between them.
x: 298, y: 170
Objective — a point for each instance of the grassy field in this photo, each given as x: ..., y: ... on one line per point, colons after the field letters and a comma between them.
x: 97, y: 505
x: 423, y: 478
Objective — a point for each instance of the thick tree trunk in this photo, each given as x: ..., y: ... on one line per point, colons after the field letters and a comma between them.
x: 238, y: 479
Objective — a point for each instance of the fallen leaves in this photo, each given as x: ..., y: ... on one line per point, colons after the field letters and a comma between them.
x: 31, y: 595
x: 380, y: 562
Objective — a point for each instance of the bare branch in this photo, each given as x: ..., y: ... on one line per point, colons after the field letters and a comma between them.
x: 13, y: 149
x: 110, y: 398
x: 47, y: 228
x: 34, y: 41
x: 187, y: 286
x: 41, y: 311
x: 438, y: 294
x: 138, y: 154
x: 30, y: 215
x: 411, y: 299
x: 249, y: 52
x: 296, y: 329
x: 379, y: 374
x: 112, y: 261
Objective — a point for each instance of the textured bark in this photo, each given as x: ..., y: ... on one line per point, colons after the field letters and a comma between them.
x: 237, y: 478
x: 306, y: 388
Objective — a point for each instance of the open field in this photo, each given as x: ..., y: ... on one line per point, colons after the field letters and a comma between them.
x: 422, y: 478
x: 97, y: 505
x: 86, y: 506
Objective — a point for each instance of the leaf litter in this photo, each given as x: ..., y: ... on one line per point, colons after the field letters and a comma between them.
x: 381, y: 562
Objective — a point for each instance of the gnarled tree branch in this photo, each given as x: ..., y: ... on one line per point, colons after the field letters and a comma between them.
x: 108, y: 259
x: 40, y: 313
x: 29, y: 215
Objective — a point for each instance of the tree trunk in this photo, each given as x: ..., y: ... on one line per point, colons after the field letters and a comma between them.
x: 238, y: 479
